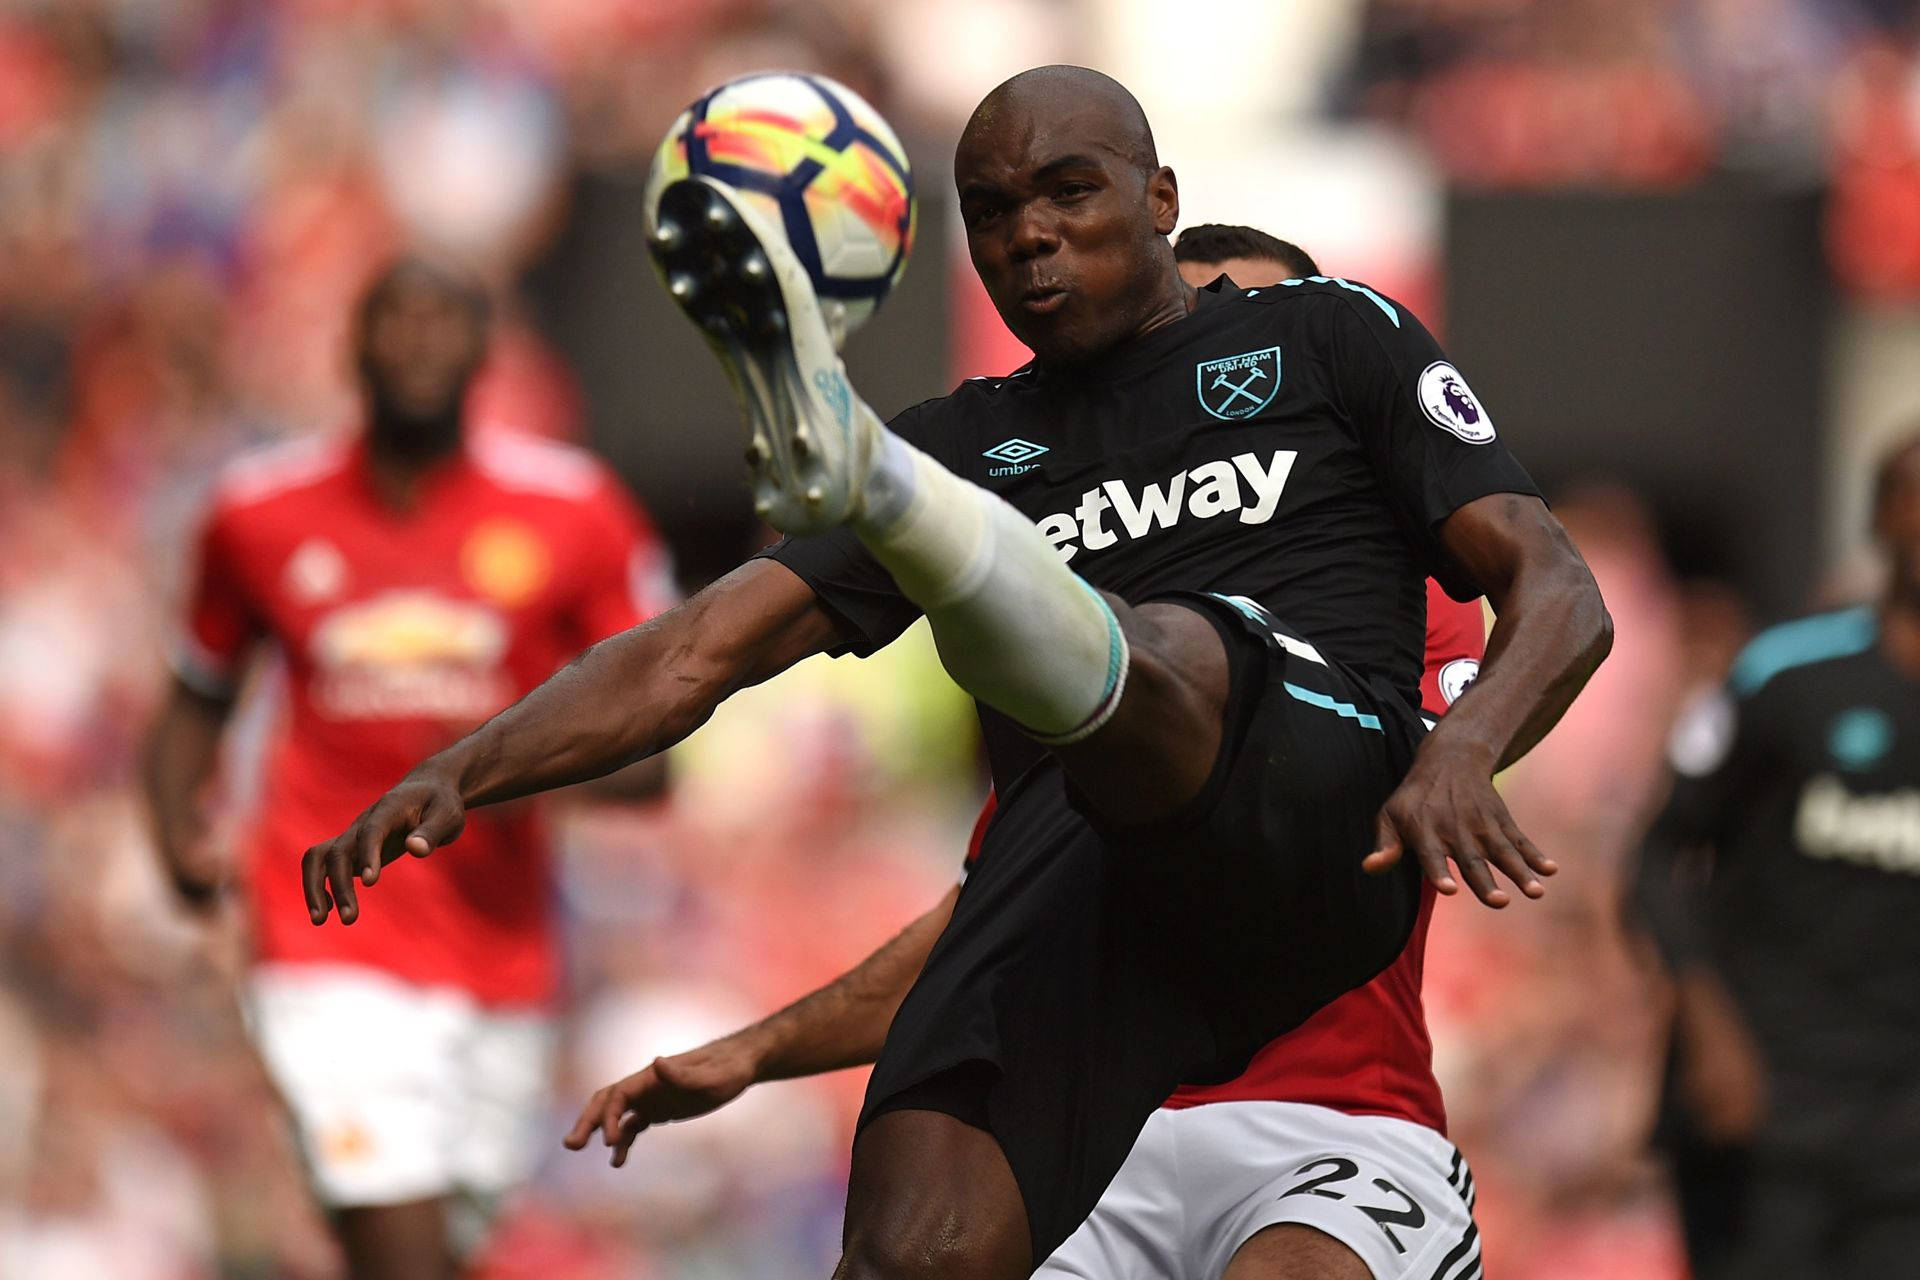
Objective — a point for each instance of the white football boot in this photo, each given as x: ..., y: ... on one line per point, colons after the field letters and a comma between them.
x: 813, y: 440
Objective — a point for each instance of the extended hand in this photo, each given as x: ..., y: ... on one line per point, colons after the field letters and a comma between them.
x: 677, y: 1088
x: 1446, y: 807
x: 417, y: 817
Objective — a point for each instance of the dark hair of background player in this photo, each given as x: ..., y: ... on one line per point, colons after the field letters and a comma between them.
x: 1212, y: 242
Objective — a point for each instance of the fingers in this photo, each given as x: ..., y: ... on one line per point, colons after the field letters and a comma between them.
x: 1504, y: 854
x: 1479, y: 878
x: 610, y: 1112
x: 415, y: 818
x: 327, y: 882
x: 1532, y: 856
x: 369, y: 834
x: 339, y: 868
x: 313, y: 877
x: 612, y: 1107
x: 606, y: 1112
x: 589, y: 1120
x: 630, y: 1128
x: 1471, y: 829
x: 1432, y: 856
x: 1388, y: 848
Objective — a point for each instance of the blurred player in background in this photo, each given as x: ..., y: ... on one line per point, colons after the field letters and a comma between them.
x: 1202, y: 1181
x: 1782, y: 886
x: 411, y: 581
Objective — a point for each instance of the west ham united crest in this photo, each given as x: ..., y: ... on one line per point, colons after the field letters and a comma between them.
x: 1239, y: 386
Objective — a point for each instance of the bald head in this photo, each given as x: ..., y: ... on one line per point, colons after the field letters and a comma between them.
x: 1067, y: 211
x: 1110, y: 113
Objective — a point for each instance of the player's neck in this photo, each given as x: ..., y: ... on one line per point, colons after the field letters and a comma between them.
x: 1179, y: 302
x: 397, y: 475
x: 1900, y: 630
x: 1175, y: 304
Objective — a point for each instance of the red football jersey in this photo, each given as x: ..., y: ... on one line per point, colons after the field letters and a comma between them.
x: 1368, y: 1052
x: 399, y: 631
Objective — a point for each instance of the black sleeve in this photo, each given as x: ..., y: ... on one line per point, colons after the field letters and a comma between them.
x: 857, y: 593
x: 1430, y: 440
x: 1711, y: 753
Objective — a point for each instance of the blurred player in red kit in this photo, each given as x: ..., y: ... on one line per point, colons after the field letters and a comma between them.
x: 412, y: 580
x: 1219, y: 1170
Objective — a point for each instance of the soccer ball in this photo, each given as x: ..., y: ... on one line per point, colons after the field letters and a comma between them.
x: 820, y: 164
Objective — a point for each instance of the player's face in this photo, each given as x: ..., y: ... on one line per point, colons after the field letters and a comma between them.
x: 1248, y: 273
x: 420, y: 348
x: 1067, y: 234
x: 1897, y: 522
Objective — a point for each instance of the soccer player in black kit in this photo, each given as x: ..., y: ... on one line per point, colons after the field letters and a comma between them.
x: 1181, y: 558
x: 1798, y: 953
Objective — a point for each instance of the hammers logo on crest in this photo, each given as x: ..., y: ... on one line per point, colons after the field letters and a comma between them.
x: 1239, y: 386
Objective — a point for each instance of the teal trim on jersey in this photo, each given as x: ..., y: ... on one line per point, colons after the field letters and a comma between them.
x: 1346, y: 709
x: 1820, y: 638
x: 1247, y: 607
x: 1372, y: 297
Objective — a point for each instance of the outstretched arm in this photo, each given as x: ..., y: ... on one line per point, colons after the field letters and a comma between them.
x: 1550, y: 633
x: 624, y: 699
x: 841, y: 1025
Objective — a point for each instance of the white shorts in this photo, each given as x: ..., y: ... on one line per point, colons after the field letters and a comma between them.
x: 1201, y: 1182
x: 401, y: 1092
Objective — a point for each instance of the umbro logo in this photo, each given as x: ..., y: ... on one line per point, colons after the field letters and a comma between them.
x: 1016, y: 455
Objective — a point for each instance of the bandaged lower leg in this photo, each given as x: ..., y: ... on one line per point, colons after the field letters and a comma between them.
x: 1015, y: 627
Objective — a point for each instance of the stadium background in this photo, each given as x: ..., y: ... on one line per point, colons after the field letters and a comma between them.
x: 1676, y: 243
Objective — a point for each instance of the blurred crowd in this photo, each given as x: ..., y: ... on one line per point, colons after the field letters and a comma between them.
x: 190, y: 195
x: 1661, y: 93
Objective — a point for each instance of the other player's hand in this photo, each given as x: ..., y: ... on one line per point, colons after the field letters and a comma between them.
x: 1446, y: 809
x: 677, y: 1088
x: 417, y: 816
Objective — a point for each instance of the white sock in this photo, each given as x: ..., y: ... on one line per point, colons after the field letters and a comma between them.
x: 1016, y: 628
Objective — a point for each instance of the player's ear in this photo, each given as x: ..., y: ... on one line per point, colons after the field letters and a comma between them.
x: 1163, y: 200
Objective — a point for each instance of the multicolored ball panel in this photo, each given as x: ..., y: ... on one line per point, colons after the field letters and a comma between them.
x: 822, y: 163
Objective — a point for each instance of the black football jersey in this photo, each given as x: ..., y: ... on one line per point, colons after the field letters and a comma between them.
x: 1804, y: 781
x: 1298, y: 445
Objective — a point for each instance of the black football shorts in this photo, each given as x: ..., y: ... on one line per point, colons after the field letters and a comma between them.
x: 1091, y: 969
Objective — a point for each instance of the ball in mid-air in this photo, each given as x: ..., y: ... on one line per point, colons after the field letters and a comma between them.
x: 815, y: 161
